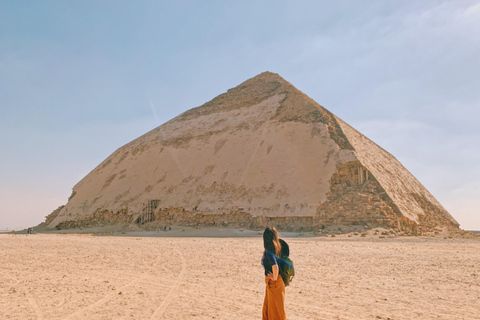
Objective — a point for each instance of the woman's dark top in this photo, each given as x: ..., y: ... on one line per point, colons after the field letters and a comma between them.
x: 268, y: 260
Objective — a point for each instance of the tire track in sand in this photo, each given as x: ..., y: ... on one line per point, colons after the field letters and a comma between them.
x: 35, y: 307
x: 110, y: 295
x: 33, y: 303
x: 168, y: 299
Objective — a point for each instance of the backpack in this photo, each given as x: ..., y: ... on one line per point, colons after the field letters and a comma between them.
x: 285, y: 266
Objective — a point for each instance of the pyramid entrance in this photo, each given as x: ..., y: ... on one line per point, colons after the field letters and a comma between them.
x: 148, y: 212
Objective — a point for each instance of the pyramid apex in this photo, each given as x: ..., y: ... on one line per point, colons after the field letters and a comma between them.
x: 267, y: 76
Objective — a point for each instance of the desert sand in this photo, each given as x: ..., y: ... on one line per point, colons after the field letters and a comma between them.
x: 67, y: 276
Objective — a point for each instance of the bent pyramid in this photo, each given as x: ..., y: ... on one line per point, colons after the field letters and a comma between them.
x: 261, y: 153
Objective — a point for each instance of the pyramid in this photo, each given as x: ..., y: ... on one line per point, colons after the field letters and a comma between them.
x: 262, y: 153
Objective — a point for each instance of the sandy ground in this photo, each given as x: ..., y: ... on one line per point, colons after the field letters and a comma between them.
x: 61, y: 276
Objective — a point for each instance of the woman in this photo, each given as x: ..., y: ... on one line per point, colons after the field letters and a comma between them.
x: 273, y: 305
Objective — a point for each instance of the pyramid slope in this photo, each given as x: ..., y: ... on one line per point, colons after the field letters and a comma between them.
x: 262, y: 149
x: 410, y: 197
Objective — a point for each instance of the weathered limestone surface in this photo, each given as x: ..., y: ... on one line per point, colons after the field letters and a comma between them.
x: 261, y: 153
x: 356, y: 197
x: 411, y: 200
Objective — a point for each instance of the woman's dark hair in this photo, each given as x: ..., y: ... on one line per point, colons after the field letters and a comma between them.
x: 285, y: 248
x: 271, y: 241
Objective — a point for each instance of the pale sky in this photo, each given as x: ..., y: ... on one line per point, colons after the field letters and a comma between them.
x: 79, y: 79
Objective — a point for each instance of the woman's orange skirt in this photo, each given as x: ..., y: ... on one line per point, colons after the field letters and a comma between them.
x: 274, y: 303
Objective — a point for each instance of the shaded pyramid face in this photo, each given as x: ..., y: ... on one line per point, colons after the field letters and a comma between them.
x: 261, y: 153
